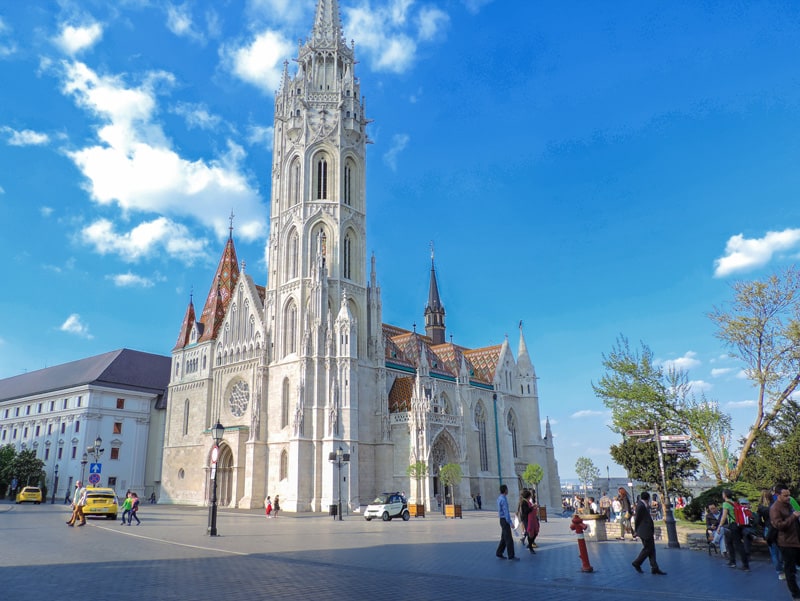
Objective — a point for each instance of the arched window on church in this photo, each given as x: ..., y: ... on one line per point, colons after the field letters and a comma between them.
x: 293, y: 255
x: 348, y: 181
x: 511, y: 422
x: 290, y: 329
x: 294, y: 183
x: 322, y: 178
x: 186, y: 417
x: 284, y: 465
x: 483, y: 448
x: 347, y: 256
x: 285, y: 403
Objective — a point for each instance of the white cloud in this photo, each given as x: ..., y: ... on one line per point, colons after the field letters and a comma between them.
x: 743, y: 254
x: 431, y: 21
x: 261, y: 61
x: 277, y: 10
x: 390, y: 34
x: 741, y: 374
x: 740, y: 404
x: 130, y: 280
x: 261, y: 135
x: 7, y: 46
x: 134, y: 166
x: 197, y: 115
x: 399, y: 143
x: 586, y: 413
x: 180, y: 22
x: 46, y: 211
x: 2, y: 190
x: 75, y: 39
x: 144, y: 240
x: 474, y: 6
x: 720, y: 371
x: 687, y: 362
x: 26, y: 137
x: 74, y: 325
x: 700, y: 386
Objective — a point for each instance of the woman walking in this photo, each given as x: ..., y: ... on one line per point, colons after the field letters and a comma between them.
x: 134, y: 510
x: 276, y: 507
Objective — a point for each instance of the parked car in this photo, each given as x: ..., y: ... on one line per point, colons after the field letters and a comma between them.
x: 29, y: 494
x: 101, y: 502
x: 386, y: 506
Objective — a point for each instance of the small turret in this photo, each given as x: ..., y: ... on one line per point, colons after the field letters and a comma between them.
x: 434, y: 311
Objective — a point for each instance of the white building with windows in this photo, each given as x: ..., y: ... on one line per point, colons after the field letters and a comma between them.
x: 305, y: 366
x: 60, y: 411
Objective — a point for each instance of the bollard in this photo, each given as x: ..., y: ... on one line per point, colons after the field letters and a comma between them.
x: 578, y: 526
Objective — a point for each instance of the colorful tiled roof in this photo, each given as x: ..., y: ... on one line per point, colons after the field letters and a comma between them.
x: 186, y: 327
x: 219, y: 297
x: 400, y: 394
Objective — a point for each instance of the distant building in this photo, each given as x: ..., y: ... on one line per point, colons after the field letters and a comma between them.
x: 304, y: 366
x: 59, y: 411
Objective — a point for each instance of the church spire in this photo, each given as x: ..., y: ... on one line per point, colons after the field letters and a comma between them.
x: 186, y: 326
x: 219, y: 296
x: 327, y: 28
x: 434, y: 311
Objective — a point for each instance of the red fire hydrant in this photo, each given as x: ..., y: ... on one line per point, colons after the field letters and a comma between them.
x: 578, y: 526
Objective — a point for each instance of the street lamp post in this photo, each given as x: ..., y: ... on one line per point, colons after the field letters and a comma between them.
x: 443, y: 490
x: 84, y: 461
x: 95, y: 451
x: 339, y: 458
x: 217, y: 432
x: 55, y: 485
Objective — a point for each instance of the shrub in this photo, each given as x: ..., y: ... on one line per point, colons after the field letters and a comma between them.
x: 694, y: 510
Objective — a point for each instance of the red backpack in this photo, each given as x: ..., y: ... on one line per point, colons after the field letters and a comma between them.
x: 742, y: 514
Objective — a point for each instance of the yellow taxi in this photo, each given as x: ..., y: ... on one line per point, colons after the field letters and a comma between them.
x: 101, y: 502
x: 29, y: 494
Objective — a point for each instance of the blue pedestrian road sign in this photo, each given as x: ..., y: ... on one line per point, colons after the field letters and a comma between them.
x: 95, y: 468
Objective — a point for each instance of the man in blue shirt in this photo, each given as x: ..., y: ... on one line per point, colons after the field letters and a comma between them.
x: 506, y: 538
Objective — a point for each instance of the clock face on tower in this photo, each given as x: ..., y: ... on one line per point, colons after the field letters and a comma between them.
x: 239, y: 398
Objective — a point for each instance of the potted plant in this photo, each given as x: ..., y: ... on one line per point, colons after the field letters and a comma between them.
x: 532, y: 475
x: 417, y: 470
x: 450, y: 475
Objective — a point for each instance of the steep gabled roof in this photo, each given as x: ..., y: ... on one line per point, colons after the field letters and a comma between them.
x: 124, y: 368
x: 483, y: 362
x: 219, y: 296
x: 186, y: 327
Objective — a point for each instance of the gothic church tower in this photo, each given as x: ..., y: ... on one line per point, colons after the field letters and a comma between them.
x: 316, y: 309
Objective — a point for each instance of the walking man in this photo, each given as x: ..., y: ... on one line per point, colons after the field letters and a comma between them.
x: 506, y: 538
x: 784, y: 520
x: 645, y: 531
x: 625, y: 512
x: 78, y: 501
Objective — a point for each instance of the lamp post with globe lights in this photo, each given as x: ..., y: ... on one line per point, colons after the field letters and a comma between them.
x: 217, y: 432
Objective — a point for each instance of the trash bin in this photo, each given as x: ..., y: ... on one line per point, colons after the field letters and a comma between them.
x: 333, y: 510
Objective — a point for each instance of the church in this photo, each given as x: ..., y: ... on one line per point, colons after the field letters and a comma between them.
x: 304, y: 367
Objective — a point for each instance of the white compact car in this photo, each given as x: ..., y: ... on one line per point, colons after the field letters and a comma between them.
x: 386, y: 506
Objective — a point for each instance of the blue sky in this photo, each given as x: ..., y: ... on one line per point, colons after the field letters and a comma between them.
x: 588, y: 168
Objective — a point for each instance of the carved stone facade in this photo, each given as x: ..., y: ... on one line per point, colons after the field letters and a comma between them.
x: 304, y: 366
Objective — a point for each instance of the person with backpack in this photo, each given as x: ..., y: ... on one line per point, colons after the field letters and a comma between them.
x: 733, y: 532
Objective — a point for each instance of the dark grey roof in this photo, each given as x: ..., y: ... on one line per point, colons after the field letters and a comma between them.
x: 124, y: 368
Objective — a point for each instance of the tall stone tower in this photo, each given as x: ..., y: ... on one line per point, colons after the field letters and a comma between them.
x: 316, y: 308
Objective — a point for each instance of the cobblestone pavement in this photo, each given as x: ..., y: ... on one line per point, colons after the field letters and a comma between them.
x: 314, y: 557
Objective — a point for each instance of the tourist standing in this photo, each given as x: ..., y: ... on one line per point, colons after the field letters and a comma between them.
x: 276, y: 507
x: 733, y: 533
x: 784, y: 520
x: 624, y: 511
x: 268, y: 507
x: 764, y: 505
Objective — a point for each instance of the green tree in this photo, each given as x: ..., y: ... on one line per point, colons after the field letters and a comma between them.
x: 641, y: 393
x: 587, y: 472
x: 450, y: 474
x: 7, y: 454
x: 27, y: 468
x: 773, y: 455
x: 532, y: 475
x: 761, y: 328
x: 640, y: 459
x: 417, y: 470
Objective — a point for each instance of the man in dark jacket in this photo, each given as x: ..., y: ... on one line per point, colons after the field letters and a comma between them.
x: 645, y: 531
x: 784, y: 520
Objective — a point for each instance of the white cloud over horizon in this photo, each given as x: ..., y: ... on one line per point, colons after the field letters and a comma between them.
x: 130, y: 280
x: 720, y: 371
x: 586, y: 413
x: 399, y: 143
x: 740, y: 404
x: 687, y: 362
x: 745, y: 254
x: 260, y: 62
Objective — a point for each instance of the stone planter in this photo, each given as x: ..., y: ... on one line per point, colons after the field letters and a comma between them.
x: 595, y: 527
